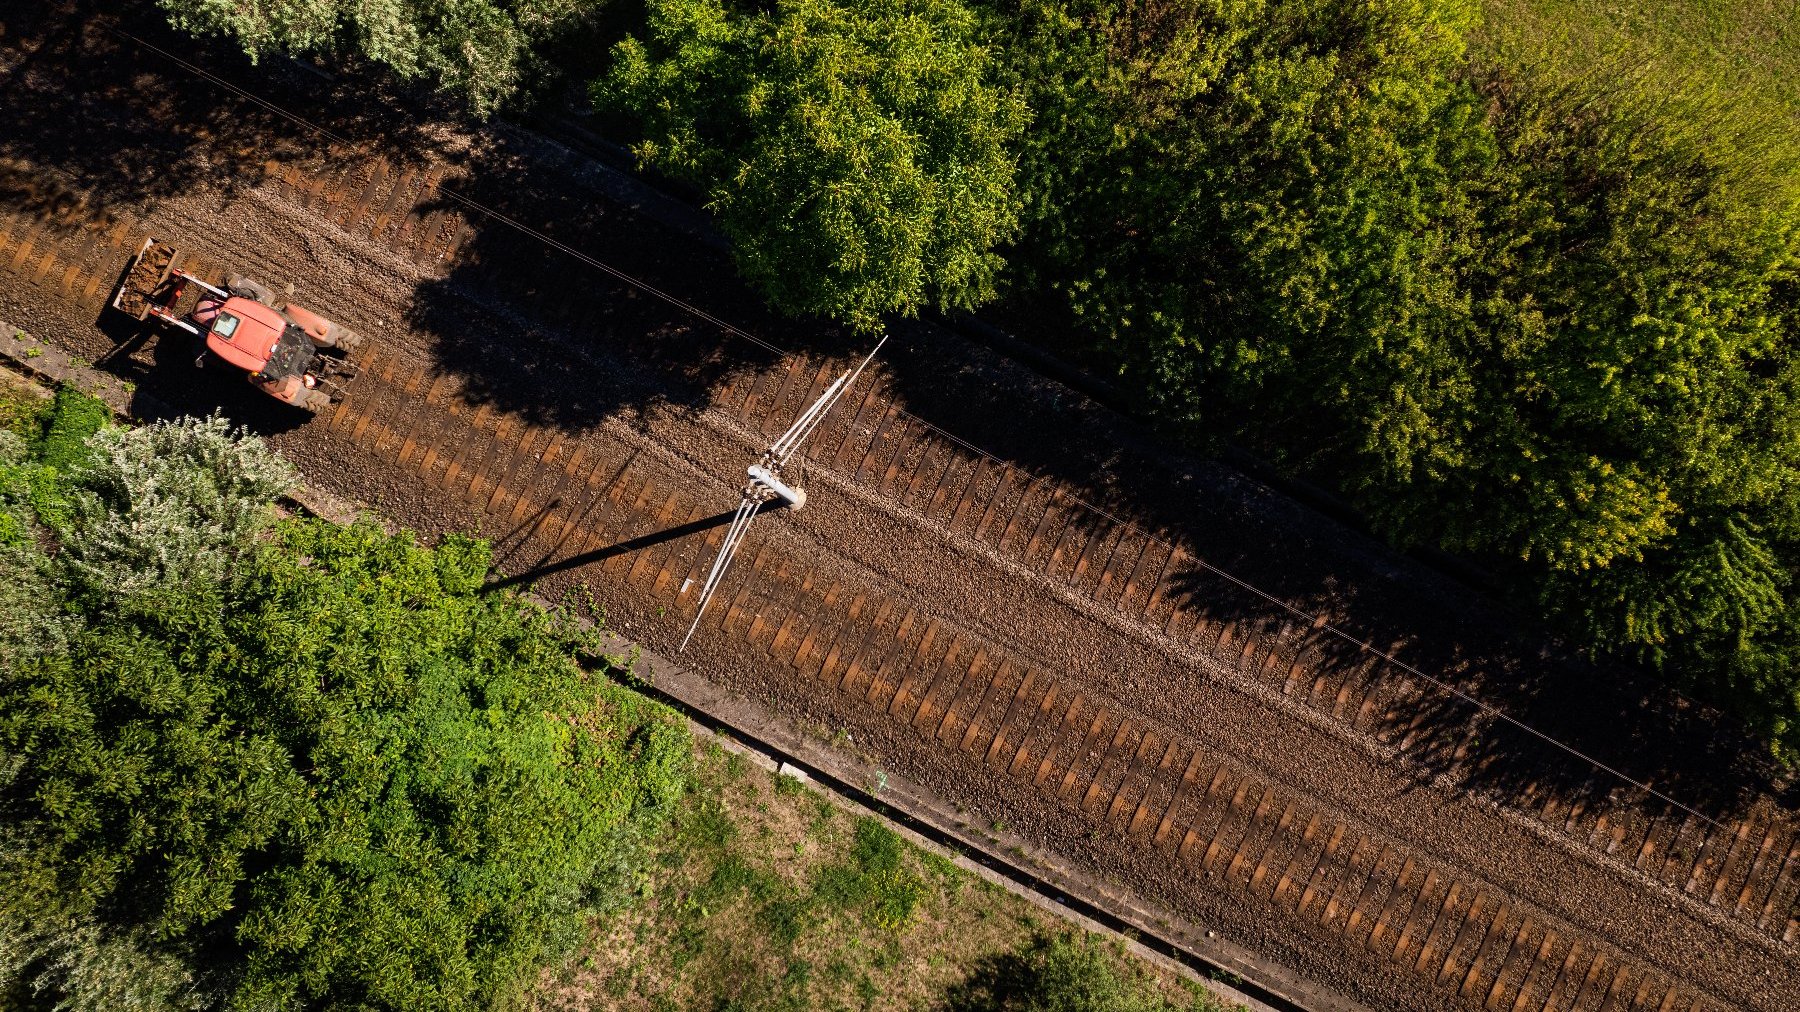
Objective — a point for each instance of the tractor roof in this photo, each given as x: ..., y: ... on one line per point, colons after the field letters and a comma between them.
x: 251, y: 340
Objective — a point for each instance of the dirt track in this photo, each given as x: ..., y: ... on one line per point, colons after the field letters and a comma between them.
x: 965, y: 618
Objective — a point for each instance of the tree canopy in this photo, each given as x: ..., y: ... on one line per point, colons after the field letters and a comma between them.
x: 857, y: 152
x: 1545, y: 324
x: 323, y: 769
x: 475, y: 49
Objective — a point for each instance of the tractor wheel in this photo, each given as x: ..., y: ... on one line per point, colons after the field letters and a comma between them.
x: 316, y: 401
x: 348, y: 340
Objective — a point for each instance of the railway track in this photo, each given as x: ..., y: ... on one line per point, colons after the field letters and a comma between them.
x: 950, y: 686
x: 960, y: 690
x: 1747, y: 868
x: 956, y: 689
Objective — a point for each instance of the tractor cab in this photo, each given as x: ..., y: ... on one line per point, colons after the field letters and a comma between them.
x: 276, y: 352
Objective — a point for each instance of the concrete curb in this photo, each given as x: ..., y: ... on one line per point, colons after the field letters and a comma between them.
x: 34, y: 357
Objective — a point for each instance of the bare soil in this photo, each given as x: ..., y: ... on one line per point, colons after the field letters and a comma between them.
x: 141, y: 281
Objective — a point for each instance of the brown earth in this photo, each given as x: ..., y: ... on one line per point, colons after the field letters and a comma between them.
x: 142, y: 279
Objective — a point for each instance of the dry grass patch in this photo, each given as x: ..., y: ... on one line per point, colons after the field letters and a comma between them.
x: 1685, y: 50
x: 23, y: 403
x: 766, y: 896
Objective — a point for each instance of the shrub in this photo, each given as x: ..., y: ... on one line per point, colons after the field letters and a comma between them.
x: 72, y: 965
x: 471, y: 48
x: 348, y: 777
x: 1066, y: 973
x: 32, y: 622
x: 1546, y: 325
x: 74, y: 416
x: 168, y: 507
x: 39, y: 446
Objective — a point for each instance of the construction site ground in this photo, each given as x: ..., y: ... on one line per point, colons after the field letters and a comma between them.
x: 998, y: 589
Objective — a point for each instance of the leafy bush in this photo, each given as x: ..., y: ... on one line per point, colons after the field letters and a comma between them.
x: 1549, y: 326
x: 74, y: 416
x: 168, y: 506
x: 15, y: 458
x: 345, y: 777
x: 32, y: 623
x: 1617, y: 413
x: 1066, y: 973
x: 1223, y: 192
x: 40, y: 446
x: 13, y: 448
x: 856, y: 151
x: 73, y: 965
x: 472, y: 48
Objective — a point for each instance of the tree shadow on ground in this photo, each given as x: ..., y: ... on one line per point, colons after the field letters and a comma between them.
x: 534, y: 322
x: 1062, y: 972
x: 1542, y: 731
x: 566, y: 306
x: 99, y: 96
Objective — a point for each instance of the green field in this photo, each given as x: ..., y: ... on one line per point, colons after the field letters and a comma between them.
x: 1749, y: 48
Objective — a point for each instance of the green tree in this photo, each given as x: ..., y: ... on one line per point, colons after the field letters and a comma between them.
x: 340, y: 774
x: 1222, y: 191
x: 1550, y: 326
x: 1624, y: 424
x: 473, y: 48
x: 856, y: 153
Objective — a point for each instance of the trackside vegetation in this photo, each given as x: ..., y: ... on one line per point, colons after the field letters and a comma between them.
x: 1542, y: 322
x: 766, y: 896
x: 478, y: 50
x: 858, y: 154
x: 1512, y: 298
x: 252, y: 763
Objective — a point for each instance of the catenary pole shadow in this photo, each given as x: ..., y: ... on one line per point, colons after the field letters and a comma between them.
x: 636, y: 544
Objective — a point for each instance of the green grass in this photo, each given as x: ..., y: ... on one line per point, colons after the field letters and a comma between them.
x: 1746, y: 52
x: 23, y: 406
x: 876, y: 882
x: 766, y: 896
x: 50, y: 432
x: 74, y: 416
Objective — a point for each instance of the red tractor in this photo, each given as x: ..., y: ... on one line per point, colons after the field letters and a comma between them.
x: 290, y: 353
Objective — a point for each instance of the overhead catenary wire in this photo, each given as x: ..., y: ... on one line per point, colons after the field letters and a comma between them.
x: 470, y: 202
x: 798, y: 431
x: 1316, y: 621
